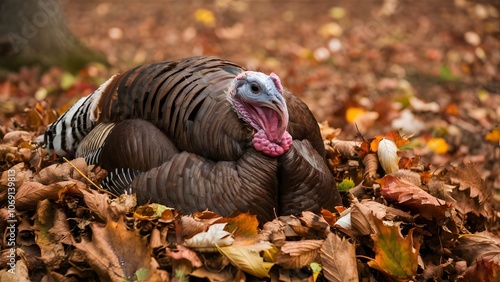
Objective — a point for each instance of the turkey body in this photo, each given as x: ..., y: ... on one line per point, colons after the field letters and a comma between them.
x: 170, y: 133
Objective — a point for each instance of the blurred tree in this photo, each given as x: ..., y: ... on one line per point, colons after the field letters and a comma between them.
x: 34, y: 32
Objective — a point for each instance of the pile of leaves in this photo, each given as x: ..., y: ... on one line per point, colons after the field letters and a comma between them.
x: 401, y: 220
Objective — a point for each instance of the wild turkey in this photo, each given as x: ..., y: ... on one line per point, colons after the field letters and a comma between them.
x: 201, y: 133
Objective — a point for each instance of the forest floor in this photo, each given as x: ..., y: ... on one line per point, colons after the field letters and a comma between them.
x: 423, y: 74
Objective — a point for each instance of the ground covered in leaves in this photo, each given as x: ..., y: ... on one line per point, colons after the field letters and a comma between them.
x: 409, y: 93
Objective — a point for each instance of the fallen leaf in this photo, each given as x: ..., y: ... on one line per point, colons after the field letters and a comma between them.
x: 413, y: 197
x: 114, y: 252
x: 207, y: 241
x: 52, y: 250
x: 182, y: 252
x: 247, y: 259
x: 297, y: 254
x: 483, y: 270
x: 30, y: 193
x: 438, y: 145
x: 243, y: 227
x: 338, y: 257
x: 394, y: 254
x: 476, y: 246
x: 150, y: 211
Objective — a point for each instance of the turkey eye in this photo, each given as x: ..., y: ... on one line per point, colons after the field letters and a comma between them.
x: 255, y: 88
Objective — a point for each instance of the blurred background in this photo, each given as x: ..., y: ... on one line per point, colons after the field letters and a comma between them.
x: 428, y: 68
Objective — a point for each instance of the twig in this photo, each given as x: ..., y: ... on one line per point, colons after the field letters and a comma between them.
x: 88, y: 179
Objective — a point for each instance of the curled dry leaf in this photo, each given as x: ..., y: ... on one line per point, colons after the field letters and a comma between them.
x: 207, y: 241
x: 61, y: 172
x: 297, y: 254
x: 14, y: 138
x: 30, y: 193
x: 338, y: 257
x: 327, y: 132
x: 370, y: 163
x: 347, y: 149
x: 413, y: 197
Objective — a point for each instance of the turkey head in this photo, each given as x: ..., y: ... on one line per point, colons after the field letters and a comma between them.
x: 258, y: 99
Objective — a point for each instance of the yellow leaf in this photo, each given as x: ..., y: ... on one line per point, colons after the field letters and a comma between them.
x: 352, y: 113
x: 247, y: 259
x: 438, y: 145
x: 394, y: 254
x: 205, y: 17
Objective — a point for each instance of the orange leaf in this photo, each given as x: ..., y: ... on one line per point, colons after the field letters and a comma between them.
x: 494, y: 135
x: 397, y: 138
x: 375, y: 142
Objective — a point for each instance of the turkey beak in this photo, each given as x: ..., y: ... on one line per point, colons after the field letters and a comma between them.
x: 278, y: 104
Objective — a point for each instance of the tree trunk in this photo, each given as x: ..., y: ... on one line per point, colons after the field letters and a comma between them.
x: 34, y: 32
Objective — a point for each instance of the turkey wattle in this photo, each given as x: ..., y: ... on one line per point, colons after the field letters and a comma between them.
x: 201, y: 133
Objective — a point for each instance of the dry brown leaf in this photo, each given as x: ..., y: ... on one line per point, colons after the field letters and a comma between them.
x: 197, y: 222
x: 297, y: 254
x: 182, y: 252
x: 52, y: 250
x: 370, y: 162
x: 338, y: 257
x: 30, y: 193
x: 413, y: 197
x: 327, y: 132
x: 62, y: 172
x: 347, y: 149
x: 224, y: 275
x: 314, y: 222
x: 272, y: 231
x: 472, y: 194
x: 98, y: 203
x: 384, y: 212
x: 114, y: 252
x: 13, y: 138
x: 480, y: 245
x: 362, y: 219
